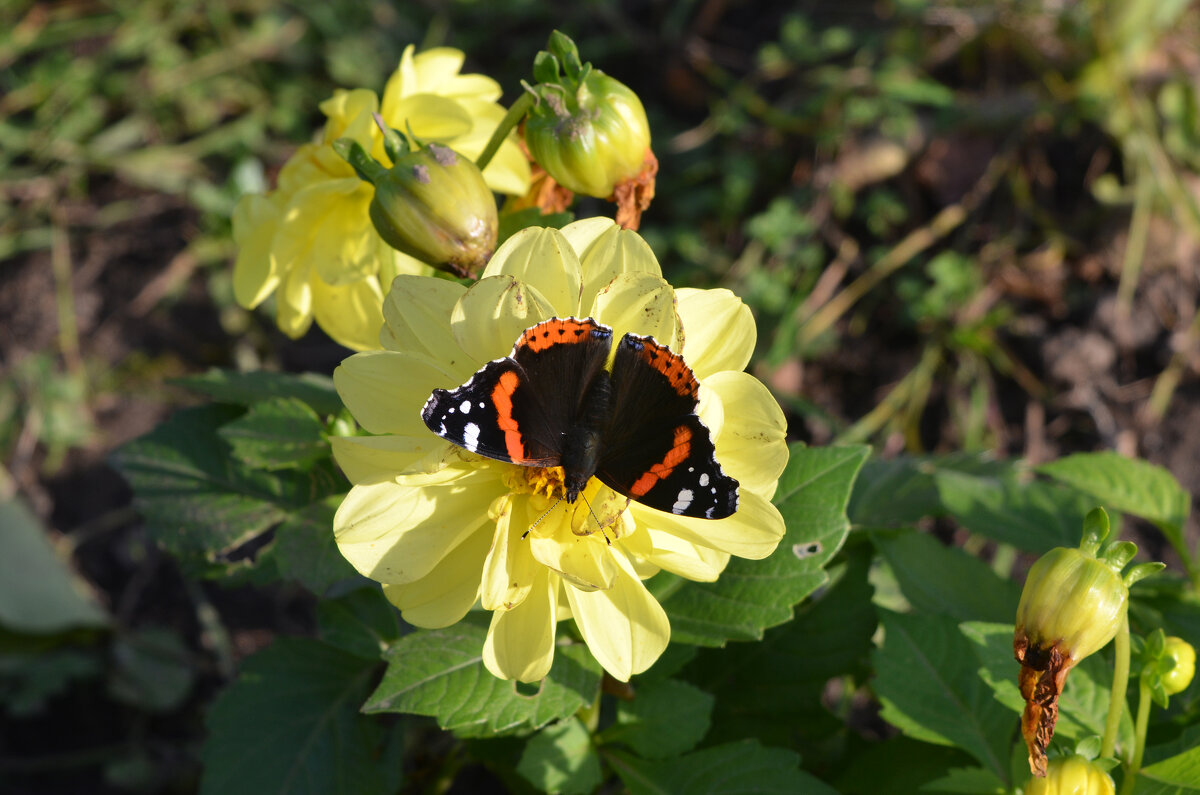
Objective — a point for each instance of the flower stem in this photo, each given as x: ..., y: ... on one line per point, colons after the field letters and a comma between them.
x: 510, y: 120
x: 1139, y: 745
x: 1120, y: 683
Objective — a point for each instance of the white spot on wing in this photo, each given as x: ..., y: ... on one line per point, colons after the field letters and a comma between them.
x: 465, y: 408
x: 703, y: 478
x: 471, y: 436
x: 682, y: 501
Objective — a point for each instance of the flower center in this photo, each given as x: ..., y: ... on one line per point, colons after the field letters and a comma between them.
x: 550, y: 482
x: 598, y: 509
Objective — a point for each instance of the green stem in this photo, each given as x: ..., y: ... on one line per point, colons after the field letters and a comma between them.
x: 1139, y: 746
x: 510, y: 120
x: 1120, y: 683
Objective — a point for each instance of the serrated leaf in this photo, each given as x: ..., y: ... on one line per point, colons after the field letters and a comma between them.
x: 753, y: 595
x: 290, y: 724
x: 772, y: 690
x: 246, y: 389
x: 1174, y: 776
x: 38, y: 592
x: 305, y: 550
x: 362, y: 622
x: 945, y: 580
x: 664, y: 718
x: 1034, y: 516
x: 277, y: 433
x: 440, y: 673
x: 732, y: 769
x: 926, y: 677
x: 198, y: 502
x: 1083, y: 705
x: 561, y: 759
x: 1129, y: 485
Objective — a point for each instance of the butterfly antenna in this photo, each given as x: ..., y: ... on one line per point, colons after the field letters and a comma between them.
x: 538, y: 521
x: 597, y: 520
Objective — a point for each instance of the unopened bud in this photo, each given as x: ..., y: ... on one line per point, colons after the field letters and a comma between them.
x: 1073, y: 775
x: 432, y: 204
x: 1183, y: 655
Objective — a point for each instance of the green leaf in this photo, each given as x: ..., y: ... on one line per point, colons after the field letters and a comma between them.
x: 731, y: 769
x: 898, y: 766
x: 1083, y: 705
x: 1174, y: 776
x: 277, y: 433
x: 440, y: 673
x: 1035, y: 516
x: 967, y: 781
x: 945, y: 580
x: 665, y: 718
x: 200, y: 503
x: 773, y: 690
x: 1129, y: 485
x: 561, y: 759
x: 38, y: 592
x: 894, y: 491
x: 306, y: 551
x: 752, y: 595
x: 362, y: 622
x: 290, y: 723
x: 246, y: 389
x: 926, y: 677
x: 152, y: 670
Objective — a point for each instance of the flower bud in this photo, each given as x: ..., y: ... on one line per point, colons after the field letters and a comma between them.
x: 1180, y: 676
x: 588, y: 130
x: 1073, y: 603
x: 431, y: 204
x: 1072, y: 775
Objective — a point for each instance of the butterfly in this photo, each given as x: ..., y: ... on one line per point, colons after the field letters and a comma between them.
x: 553, y: 403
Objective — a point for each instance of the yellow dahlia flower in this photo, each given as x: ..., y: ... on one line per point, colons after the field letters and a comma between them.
x: 442, y: 528
x: 311, y: 240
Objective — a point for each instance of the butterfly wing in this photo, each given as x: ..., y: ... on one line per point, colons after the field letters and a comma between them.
x: 657, y: 451
x: 519, y: 408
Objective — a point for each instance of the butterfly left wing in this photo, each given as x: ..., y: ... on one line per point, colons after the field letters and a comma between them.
x: 657, y: 451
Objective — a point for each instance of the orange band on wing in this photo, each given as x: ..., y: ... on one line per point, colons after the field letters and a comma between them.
x: 556, y: 331
x: 663, y: 469
x: 502, y: 394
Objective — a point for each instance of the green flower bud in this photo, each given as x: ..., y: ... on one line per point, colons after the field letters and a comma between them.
x: 1180, y: 676
x: 431, y: 204
x: 1072, y: 775
x: 1073, y: 603
x: 587, y: 130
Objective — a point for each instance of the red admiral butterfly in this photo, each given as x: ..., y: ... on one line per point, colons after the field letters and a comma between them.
x: 551, y: 402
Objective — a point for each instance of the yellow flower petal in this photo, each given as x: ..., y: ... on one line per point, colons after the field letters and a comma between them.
x: 624, y: 626
x: 490, y: 316
x: 718, y: 330
x: 326, y: 226
x: 509, y: 171
x: 670, y: 552
x: 752, y: 445
x: 349, y: 114
x: 374, y: 459
x: 437, y: 72
x: 444, y: 595
x: 541, y: 258
x: 417, y: 312
x: 509, y: 571
x: 396, y: 534
x: 520, y: 642
x: 256, y: 272
x: 641, y: 303
x: 585, y: 562
x: 430, y: 117
x: 605, y: 251
x: 385, y: 390
x: 293, y: 304
x: 350, y: 313
x: 753, y: 532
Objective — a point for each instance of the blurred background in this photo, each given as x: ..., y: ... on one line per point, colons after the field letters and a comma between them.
x: 962, y: 226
